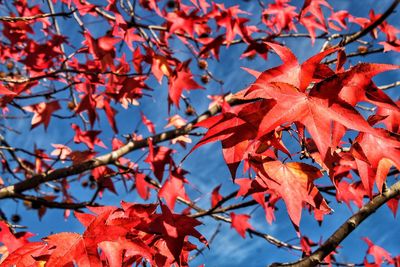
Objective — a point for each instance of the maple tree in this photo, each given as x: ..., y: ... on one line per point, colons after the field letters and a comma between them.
x: 101, y: 119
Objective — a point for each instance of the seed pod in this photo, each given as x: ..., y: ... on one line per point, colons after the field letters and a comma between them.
x: 202, y: 64
x: 10, y: 65
x: 189, y: 111
x: 205, y: 78
x: 362, y: 49
x: 15, y: 218
x: 71, y: 105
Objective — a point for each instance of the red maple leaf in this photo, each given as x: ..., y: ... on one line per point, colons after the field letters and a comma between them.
x: 173, y: 229
x: 142, y: 186
x: 10, y: 240
x: 42, y: 113
x: 148, y: 123
x: 89, y: 138
x: 26, y: 255
x: 315, y: 110
x: 293, y: 181
x: 5, y: 91
x: 174, y: 188
x: 183, y: 79
x: 216, y: 197
x: 382, y: 151
x: 158, y: 157
x: 105, y: 225
x: 240, y: 223
x: 378, y: 253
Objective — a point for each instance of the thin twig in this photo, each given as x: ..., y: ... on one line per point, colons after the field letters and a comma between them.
x: 39, y: 16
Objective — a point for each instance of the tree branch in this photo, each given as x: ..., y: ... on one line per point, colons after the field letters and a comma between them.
x: 345, y: 229
x: 39, y: 16
x: 56, y: 205
x: 351, y: 38
x: 36, y: 180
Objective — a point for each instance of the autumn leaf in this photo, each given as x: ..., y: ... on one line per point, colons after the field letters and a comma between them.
x: 216, y: 197
x: 173, y: 228
x: 10, y: 240
x: 158, y: 158
x: 27, y: 255
x: 293, y: 181
x: 142, y: 187
x: 174, y: 188
x: 71, y: 247
x: 148, y: 123
x: 316, y: 114
x: 240, y: 223
x: 378, y: 253
x: 5, y: 91
x: 382, y: 150
x: 114, y: 250
x: 182, y: 80
x: 89, y: 138
x: 42, y: 113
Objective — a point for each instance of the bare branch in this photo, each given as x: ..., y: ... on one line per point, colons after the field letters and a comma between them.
x: 55, y: 205
x: 39, y: 16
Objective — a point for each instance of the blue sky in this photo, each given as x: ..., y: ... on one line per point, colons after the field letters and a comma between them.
x: 206, y: 165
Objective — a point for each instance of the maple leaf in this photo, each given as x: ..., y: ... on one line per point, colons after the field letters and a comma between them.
x: 115, y: 250
x: 216, y: 197
x: 351, y: 192
x: 279, y: 16
x: 378, y: 253
x: 382, y: 150
x: 213, y: 45
x: 82, y: 249
x: 5, y: 91
x: 228, y: 18
x: 142, y: 186
x: 306, y: 244
x: 27, y: 255
x: 240, y: 223
x: 390, y: 117
x: 61, y: 151
x: 102, y: 49
x: 158, y: 157
x: 88, y: 103
x: 315, y: 110
x: 293, y: 181
x: 355, y: 85
x: 393, y: 205
x: 340, y: 18
x: 315, y: 113
x: 174, y: 188
x: 42, y: 113
x: 202, y: 4
x: 71, y: 247
x: 148, y: 123
x: 10, y: 240
x: 102, y: 175
x: 160, y: 67
x: 234, y: 128
x: 89, y: 138
x: 173, y: 228
x: 182, y: 22
x: 183, y: 79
